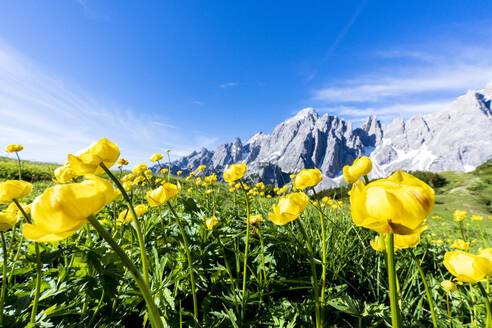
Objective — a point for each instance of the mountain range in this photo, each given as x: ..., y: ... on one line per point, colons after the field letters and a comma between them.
x: 458, y: 139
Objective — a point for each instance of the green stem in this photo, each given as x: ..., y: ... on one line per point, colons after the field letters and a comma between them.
x: 231, y: 277
x: 245, y: 259
x: 487, y: 305
x: 474, y: 312
x: 366, y: 179
x: 449, y: 309
x: 19, y: 163
x: 461, y: 230
x: 314, y: 275
x: 395, y: 311
x: 262, y: 245
x: 190, y: 263
x: 140, y: 237
x: 38, y: 284
x: 4, y: 279
x: 153, y: 311
x: 427, y: 291
x: 96, y: 311
x: 323, y: 271
x: 14, y: 260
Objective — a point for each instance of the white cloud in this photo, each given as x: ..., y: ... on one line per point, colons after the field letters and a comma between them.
x: 228, y: 85
x: 43, y: 113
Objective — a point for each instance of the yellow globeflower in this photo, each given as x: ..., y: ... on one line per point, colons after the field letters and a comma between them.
x: 201, y: 168
x: 235, y: 172
x: 61, y: 210
x: 400, y: 242
x: 461, y: 244
x: 139, y: 169
x: 307, y: 178
x: 485, y: 252
x: 13, y: 210
x: 398, y: 204
x: 459, y: 215
x: 448, y: 285
x: 289, y: 208
x: 361, y: 166
x: 156, y: 157
x: 7, y: 221
x: 127, y: 215
x: 210, y: 223
x: 14, y: 148
x: 164, y: 171
x: 467, y: 267
x: 477, y: 218
x: 64, y: 174
x: 14, y: 189
x: 122, y: 162
x: 86, y: 161
x: 232, y: 189
x: 255, y: 219
x: 162, y: 194
x: 179, y: 172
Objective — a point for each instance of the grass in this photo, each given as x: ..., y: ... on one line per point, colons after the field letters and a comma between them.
x: 86, y: 285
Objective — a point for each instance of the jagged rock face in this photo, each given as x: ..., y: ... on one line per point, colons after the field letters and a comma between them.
x: 458, y: 139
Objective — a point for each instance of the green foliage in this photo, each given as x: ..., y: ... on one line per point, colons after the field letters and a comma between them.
x: 435, y: 180
x: 31, y: 171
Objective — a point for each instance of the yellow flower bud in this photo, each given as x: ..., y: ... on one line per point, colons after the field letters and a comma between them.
x: 467, y: 267
x: 61, y: 210
x: 14, y: 189
x: 361, y: 166
x: 289, y: 208
x: 448, y: 285
x: 459, y: 215
x: 210, y: 223
x: 255, y: 219
x: 307, y: 178
x: 485, y: 252
x: 179, y: 172
x: 235, y: 172
x: 7, y: 221
x: 122, y: 162
x: 14, y: 148
x: 64, y: 174
x: 139, y: 169
x: 127, y: 216
x: 86, y: 161
x: 162, y: 194
x: 460, y: 244
x: 156, y: 157
x: 400, y: 242
x: 398, y: 204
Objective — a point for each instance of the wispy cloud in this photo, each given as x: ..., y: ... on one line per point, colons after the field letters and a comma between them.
x: 199, y: 103
x: 51, y: 118
x: 228, y: 85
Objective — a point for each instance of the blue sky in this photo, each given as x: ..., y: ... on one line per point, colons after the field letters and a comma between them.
x: 153, y: 75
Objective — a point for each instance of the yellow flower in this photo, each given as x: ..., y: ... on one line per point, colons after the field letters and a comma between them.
x: 14, y: 189
x: 361, y: 166
x: 86, y: 161
x: 437, y: 242
x: 307, y: 178
x: 477, y: 218
x: 201, y: 168
x: 14, y: 148
x: 268, y: 196
x: 398, y: 204
x: 140, y: 168
x: 485, y: 252
x: 61, y: 210
x: 64, y: 174
x: 235, y: 172
x: 127, y: 216
x: 460, y: 244
x: 13, y: 210
x: 7, y: 221
x: 467, y: 267
x: 156, y: 157
x: 209, y: 191
x: 162, y: 194
x: 168, y: 151
x: 436, y: 217
x: 459, y: 215
x: 292, y: 176
x: 448, y: 285
x: 211, y: 179
x: 232, y: 189
x: 189, y: 190
x: 400, y: 242
x: 210, y: 223
x: 289, y: 208
x: 164, y: 171
x: 128, y: 177
x: 179, y: 172
x: 255, y: 219
x: 122, y: 162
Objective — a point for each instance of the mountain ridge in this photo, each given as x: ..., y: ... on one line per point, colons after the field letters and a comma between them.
x: 456, y: 139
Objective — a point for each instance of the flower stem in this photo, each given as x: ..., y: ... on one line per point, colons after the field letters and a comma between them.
x: 395, y: 311
x: 19, y: 163
x: 190, y: 263
x: 487, y: 305
x: 323, y: 271
x: 245, y: 259
x: 314, y: 275
x: 140, y: 237
x: 153, y: 311
x: 449, y: 309
x: 4, y: 278
x: 38, y: 284
x: 427, y: 291
x: 231, y: 277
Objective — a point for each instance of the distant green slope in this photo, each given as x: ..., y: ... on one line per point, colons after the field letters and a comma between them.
x: 31, y: 171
